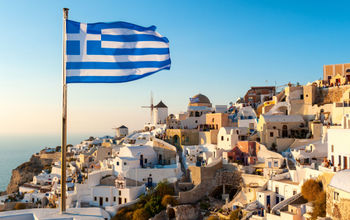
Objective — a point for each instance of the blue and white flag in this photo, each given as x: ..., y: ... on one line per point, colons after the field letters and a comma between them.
x: 113, y: 52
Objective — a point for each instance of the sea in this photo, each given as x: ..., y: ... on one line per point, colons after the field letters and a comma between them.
x: 15, y: 150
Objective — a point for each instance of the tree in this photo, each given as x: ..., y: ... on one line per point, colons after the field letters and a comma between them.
x: 213, y: 217
x: 168, y: 199
x: 154, y: 205
x: 310, y: 189
x: 164, y: 188
x: 319, y: 206
x: 141, y: 214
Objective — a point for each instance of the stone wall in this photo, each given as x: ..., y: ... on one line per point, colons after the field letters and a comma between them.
x: 337, y: 210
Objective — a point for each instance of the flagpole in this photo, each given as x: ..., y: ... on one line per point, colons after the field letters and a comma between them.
x: 64, y: 119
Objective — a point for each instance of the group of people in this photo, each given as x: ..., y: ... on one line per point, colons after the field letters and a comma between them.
x: 329, y: 164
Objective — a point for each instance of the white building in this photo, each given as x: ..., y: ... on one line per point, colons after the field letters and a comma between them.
x: 121, y: 131
x: 338, y: 147
x: 247, y: 118
x: 160, y: 113
x: 117, y: 194
x: 228, y: 137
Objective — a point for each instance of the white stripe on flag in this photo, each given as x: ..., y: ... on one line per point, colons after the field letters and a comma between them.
x: 122, y: 58
x: 138, y: 44
x: 108, y: 72
x: 124, y: 31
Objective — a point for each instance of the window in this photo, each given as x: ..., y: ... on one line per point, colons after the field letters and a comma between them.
x: 120, y: 192
x: 95, y: 198
x: 145, y: 160
x: 114, y: 199
x: 125, y: 200
x: 117, y: 163
x: 196, y: 121
x: 276, y: 189
x: 106, y: 199
x: 237, y: 131
x: 271, y: 134
x: 332, y: 148
x: 301, y: 96
x: 124, y: 163
x: 227, y: 139
x: 275, y: 163
x: 109, y: 153
x: 212, y: 120
x: 222, y: 138
x: 336, y: 196
x: 294, y: 192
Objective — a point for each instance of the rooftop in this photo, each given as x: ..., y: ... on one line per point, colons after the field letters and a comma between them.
x: 283, y: 118
x: 48, y: 213
x: 341, y: 180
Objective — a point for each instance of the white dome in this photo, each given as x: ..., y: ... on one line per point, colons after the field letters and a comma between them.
x: 341, y: 180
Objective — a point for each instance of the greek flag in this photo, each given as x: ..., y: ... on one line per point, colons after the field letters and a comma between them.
x: 113, y: 52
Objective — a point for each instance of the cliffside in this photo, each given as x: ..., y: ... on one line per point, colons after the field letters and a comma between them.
x: 26, y: 171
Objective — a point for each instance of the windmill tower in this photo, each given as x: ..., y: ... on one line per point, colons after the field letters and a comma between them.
x: 151, y: 106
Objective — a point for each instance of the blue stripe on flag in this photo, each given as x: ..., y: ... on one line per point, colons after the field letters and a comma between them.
x: 133, y: 38
x: 72, y: 27
x: 73, y: 47
x: 108, y: 79
x: 116, y: 65
x: 94, y: 48
x: 95, y: 28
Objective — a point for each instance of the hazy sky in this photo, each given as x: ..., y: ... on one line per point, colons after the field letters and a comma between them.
x: 218, y: 48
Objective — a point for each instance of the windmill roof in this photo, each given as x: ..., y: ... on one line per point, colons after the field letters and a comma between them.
x: 161, y: 105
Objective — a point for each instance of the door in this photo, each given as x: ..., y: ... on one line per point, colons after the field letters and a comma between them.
x: 141, y: 160
x: 268, y: 201
x: 101, y: 201
x: 160, y: 159
x: 120, y: 200
x: 284, y: 131
x: 345, y: 163
x: 277, y: 199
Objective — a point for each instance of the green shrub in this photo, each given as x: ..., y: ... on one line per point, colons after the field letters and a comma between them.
x: 141, y: 214
x: 154, y: 205
x: 164, y: 188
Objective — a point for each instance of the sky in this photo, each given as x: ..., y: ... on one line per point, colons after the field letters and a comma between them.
x: 218, y: 48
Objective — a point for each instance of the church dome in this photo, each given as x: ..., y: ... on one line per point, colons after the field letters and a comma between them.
x: 341, y: 180
x: 199, y: 98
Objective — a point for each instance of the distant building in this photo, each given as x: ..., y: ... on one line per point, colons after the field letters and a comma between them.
x: 336, y: 74
x: 198, y: 107
x: 122, y: 131
x: 281, y: 130
x: 160, y: 113
x: 258, y: 95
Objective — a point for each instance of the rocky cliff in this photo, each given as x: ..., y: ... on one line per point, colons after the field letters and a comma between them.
x: 26, y: 171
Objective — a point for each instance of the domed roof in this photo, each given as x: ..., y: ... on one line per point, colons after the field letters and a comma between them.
x: 341, y: 180
x: 199, y: 98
